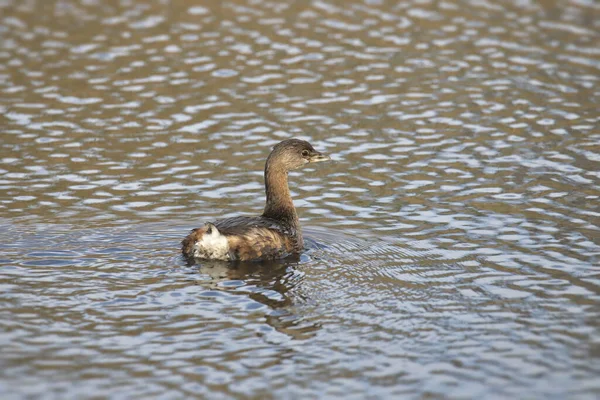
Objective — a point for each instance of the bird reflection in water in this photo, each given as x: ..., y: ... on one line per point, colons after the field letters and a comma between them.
x: 270, y: 283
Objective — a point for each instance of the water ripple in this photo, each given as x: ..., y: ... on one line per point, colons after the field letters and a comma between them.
x: 453, y: 238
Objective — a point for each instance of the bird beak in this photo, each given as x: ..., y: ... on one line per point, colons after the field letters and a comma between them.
x: 318, y: 157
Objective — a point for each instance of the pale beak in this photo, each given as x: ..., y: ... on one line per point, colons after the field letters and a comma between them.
x: 318, y: 157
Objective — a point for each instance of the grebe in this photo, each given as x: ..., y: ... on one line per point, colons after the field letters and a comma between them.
x: 276, y: 233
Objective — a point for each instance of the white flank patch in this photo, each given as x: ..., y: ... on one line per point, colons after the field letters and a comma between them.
x: 212, y: 246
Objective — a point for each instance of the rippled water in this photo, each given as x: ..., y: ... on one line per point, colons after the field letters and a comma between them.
x: 453, y: 244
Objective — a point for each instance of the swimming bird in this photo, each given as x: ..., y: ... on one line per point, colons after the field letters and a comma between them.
x: 274, y: 234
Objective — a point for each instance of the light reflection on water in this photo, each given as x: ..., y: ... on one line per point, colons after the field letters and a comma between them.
x: 452, y: 243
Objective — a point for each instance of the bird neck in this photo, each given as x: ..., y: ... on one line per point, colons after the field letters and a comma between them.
x: 279, y: 201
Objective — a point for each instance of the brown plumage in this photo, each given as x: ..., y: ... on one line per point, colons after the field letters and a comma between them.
x: 276, y: 233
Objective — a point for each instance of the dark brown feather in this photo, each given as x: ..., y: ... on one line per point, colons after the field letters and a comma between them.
x: 241, y: 225
x: 259, y: 238
x: 260, y: 244
x: 187, y: 244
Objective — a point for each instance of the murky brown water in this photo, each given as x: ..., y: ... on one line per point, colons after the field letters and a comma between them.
x: 454, y: 243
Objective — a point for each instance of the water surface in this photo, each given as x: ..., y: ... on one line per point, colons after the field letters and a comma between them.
x: 453, y: 243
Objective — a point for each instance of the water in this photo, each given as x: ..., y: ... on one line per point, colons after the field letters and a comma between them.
x: 453, y: 242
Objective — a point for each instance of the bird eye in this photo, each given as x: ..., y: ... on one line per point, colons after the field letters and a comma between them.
x: 304, y: 153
